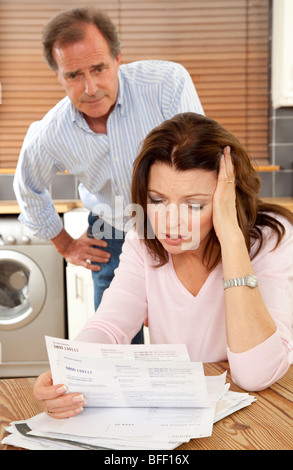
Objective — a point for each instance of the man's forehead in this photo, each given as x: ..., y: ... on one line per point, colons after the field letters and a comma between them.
x: 79, y: 57
x: 91, y: 50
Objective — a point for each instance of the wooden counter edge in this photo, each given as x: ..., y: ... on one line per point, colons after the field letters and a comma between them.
x: 282, y: 201
x: 12, y: 208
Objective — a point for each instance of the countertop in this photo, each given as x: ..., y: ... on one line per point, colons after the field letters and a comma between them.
x: 62, y: 206
x: 264, y: 425
x: 11, y: 207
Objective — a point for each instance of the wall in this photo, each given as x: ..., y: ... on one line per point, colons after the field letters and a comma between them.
x: 280, y: 141
x: 280, y: 184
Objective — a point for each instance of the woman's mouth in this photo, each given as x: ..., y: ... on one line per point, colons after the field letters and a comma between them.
x: 174, y: 240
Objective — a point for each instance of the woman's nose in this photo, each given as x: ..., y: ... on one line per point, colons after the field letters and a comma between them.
x: 173, y: 216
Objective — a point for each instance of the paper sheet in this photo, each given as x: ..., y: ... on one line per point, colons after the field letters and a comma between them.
x: 128, y: 375
x: 123, y: 383
x: 198, y: 424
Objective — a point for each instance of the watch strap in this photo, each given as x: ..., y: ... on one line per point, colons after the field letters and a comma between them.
x: 241, y: 281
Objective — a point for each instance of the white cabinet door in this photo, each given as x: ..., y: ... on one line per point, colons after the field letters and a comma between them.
x: 80, y: 298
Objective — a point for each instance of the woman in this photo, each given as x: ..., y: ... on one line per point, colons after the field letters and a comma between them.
x: 214, y: 272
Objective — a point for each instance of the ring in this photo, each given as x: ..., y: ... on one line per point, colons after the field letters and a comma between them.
x: 88, y: 261
x: 50, y: 412
x: 229, y: 181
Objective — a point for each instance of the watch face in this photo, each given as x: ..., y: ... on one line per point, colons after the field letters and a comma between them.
x: 252, y: 281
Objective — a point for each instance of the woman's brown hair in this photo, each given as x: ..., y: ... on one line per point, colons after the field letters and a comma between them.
x: 192, y: 141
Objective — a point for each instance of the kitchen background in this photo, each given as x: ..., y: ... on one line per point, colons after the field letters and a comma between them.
x: 233, y: 50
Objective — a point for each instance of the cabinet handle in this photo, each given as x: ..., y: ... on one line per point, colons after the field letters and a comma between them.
x: 78, y: 287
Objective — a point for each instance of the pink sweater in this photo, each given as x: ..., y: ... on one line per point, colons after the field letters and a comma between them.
x: 141, y: 292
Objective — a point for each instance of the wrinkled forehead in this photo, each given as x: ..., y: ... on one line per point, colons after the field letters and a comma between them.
x: 168, y: 181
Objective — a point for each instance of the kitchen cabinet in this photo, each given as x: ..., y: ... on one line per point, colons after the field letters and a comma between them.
x: 79, y: 283
x: 80, y: 298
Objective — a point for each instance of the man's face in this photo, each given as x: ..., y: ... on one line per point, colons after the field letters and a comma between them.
x: 89, y: 73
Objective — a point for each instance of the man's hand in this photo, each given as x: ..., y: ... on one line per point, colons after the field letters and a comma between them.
x: 82, y: 251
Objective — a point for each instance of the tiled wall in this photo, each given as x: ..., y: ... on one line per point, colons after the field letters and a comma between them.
x: 280, y: 183
x: 62, y: 187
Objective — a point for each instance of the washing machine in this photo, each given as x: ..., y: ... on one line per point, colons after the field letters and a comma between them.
x: 32, y: 299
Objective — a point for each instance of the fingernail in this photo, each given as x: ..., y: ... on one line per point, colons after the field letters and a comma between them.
x: 78, y: 399
x: 78, y: 410
x: 61, y: 389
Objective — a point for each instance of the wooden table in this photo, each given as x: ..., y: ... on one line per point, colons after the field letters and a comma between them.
x: 264, y: 425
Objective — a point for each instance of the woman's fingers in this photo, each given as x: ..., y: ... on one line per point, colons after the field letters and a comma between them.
x: 226, y: 172
x: 229, y: 168
x: 65, y: 414
x: 57, y: 402
x: 65, y: 407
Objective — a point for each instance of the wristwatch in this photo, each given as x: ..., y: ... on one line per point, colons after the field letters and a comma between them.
x: 250, y: 280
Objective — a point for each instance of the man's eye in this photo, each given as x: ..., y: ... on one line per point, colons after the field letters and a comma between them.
x: 98, y: 69
x: 72, y: 76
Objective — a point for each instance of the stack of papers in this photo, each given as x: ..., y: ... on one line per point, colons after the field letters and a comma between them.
x: 139, y: 397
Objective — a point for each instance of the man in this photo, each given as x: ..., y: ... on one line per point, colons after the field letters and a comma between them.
x: 94, y: 133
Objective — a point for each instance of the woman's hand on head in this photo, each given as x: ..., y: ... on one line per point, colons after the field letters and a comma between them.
x: 224, y: 202
x: 58, y: 404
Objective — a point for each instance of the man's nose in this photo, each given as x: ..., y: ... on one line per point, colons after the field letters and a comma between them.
x: 90, y: 86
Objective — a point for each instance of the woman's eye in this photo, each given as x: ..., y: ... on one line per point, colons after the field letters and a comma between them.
x: 195, y: 207
x: 155, y: 201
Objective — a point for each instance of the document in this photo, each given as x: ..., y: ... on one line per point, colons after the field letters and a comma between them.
x: 42, y: 432
x: 139, y: 397
x: 128, y: 375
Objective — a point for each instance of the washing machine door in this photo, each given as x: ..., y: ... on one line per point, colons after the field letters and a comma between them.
x: 22, y: 289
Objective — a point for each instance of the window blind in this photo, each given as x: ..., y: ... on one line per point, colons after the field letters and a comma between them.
x: 224, y: 44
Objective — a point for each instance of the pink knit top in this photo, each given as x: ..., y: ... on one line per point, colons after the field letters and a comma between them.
x: 142, y: 292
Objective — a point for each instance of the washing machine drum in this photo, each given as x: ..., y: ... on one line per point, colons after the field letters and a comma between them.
x: 22, y: 289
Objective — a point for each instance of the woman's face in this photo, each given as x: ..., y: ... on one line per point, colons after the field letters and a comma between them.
x: 180, y: 206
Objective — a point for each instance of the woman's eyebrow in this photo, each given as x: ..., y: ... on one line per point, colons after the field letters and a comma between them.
x: 185, y: 196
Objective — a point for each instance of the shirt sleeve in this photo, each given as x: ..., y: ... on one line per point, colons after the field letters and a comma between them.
x: 179, y: 94
x: 34, y: 173
x: 259, y: 367
x: 123, y: 308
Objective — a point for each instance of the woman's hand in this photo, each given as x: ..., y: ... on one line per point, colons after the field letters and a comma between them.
x: 224, y: 202
x: 57, y: 402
